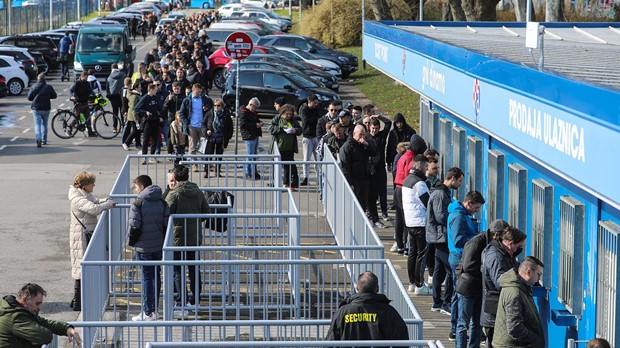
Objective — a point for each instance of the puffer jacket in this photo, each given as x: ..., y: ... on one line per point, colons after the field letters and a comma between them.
x: 461, y: 228
x: 437, y: 214
x: 415, y: 199
x: 86, y: 208
x: 22, y: 329
x: 149, y: 213
x: 518, y: 323
x: 495, y: 261
x: 417, y: 146
x: 186, y: 198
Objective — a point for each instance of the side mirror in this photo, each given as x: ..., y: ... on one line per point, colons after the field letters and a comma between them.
x: 288, y: 87
x: 129, y: 49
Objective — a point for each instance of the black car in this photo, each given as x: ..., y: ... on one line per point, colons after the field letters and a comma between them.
x: 34, y: 43
x: 23, y: 57
x: 267, y: 85
x: 346, y: 61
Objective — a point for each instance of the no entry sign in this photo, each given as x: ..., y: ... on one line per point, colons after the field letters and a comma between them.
x: 239, y: 45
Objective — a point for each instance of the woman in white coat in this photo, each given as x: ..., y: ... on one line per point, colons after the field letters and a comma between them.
x: 84, y: 211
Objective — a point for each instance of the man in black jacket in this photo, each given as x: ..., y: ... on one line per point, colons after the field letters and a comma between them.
x: 309, y: 114
x: 367, y: 315
x: 355, y: 161
x: 469, y: 284
x: 172, y: 104
x: 251, y: 129
x: 333, y: 110
x: 149, y: 109
x: 401, y: 132
x: 41, y: 95
x: 81, y: 93
x: 379, y: 176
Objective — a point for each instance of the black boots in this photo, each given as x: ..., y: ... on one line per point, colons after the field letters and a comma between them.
x: 76, y: 301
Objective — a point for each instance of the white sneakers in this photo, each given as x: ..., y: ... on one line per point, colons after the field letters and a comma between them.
x: 411, y: 288
x: 422, y: 290
x: 125, y: 147
x: 394, y: 247
x: 144, y: 317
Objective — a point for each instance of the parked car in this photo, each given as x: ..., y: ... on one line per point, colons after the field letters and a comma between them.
x: 346, y: 61
x: 218, y: 60
x: 330, y: 81
x: 14, y: 73
x: 218, y: 36
x: 176, y: 15
x: 326, y: 65
x: 226, y: 10
x: 4, y: 90
x: 163, y: 22
x: 36, y: 43
x: 23, y: 57
x: 268, y: 85
x: 270, y: 18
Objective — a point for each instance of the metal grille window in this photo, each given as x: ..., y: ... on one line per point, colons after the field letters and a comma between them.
x: 433, y: 125
x: 445, y: 146
x: 517, y: 196
x: 459, y: 138
x: 542, y: 227
x: 607, y: 281
x: 570, y: 275
x: 474, y: 163
x: 424, y: 121
x: 495, y: 187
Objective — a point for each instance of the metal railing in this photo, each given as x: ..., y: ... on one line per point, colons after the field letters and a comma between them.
x: 282, y: 344
x: 38, y: 17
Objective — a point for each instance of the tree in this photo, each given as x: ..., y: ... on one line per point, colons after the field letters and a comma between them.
x: 520, y: 7
x: 480, y: 10
x: 554, y: 11
x: 380, y: 9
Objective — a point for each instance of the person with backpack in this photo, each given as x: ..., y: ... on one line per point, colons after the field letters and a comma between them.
x: 114, y: 91
x: 148, y: 219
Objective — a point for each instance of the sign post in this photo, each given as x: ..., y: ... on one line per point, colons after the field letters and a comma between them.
x: 238, y: 46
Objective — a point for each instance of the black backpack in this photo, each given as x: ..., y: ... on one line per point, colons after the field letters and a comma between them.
x: 218, y: 224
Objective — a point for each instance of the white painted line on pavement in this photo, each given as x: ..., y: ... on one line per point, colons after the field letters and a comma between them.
x: 76, y: 143
x: 14, y: 138
x: 66, y: 89
x: 26, y: 130
x: 61, y: 105
x: 21, y: 118
x: 2, y: 147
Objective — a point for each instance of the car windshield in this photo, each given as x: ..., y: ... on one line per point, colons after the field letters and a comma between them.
x: 318, y: 45
x: 100, y: 42
x: 302, y: 81
x: 290, y: 55
x: 305, y: 55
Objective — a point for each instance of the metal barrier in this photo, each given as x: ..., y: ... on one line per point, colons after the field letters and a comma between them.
x: 283, y: 344
x: 572, y: 343
x: 38, y: 17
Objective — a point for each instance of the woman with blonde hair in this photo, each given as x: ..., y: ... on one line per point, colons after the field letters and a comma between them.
x: 84, y: 211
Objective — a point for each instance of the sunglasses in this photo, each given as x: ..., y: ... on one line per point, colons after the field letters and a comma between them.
x: 335, y: 109
x: 218, y: 105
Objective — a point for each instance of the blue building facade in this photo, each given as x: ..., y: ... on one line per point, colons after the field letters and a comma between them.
x: 543, y: 150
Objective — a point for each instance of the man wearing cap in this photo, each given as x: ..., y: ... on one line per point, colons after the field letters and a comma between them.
x: 469, y: 283
x: 344, y: 117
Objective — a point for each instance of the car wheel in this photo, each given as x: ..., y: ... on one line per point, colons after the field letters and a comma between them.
x: 219, y: 79
x: 16, y: 87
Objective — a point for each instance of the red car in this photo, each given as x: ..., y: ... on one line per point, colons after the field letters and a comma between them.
x: 219, y: 58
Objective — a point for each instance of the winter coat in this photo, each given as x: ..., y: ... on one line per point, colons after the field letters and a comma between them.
x: 247, y: 124
x: 469, y: 273
x: 41, y: 95
x: 286, y: 142
x: 397, y: 136
x: 495, y: 261
x: 461, y: 228
x: 354, y: 159
x: 437, y: 214
x: 115, y: 83
x: 186, y: 109
x: 367, y: 317
x: 334, y: 144
x: 415, y: 199
x: 309, y: 120
x: 85, y: 207
x: 322, y: 122
x: 149, y: 213
x: 186, y: 198
x: 379, y: 139
x: 177, y: 137
x: 417, y: 146
x: 172, y: 106
x: 517, y: 323
x: 22, y: 329
x: 82, y: 91
x: 220, y: 125
x: 133, y: 97
x: 149, y: 103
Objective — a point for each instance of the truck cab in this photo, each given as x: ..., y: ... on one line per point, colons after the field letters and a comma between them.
x: 99, y: 46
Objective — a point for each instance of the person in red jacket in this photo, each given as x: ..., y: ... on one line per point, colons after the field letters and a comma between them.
x: 417, y: 146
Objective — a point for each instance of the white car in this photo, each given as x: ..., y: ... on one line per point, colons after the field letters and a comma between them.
x: 304, y: 56
x: 13, y: 72
x: 269, y: 18
x: 163, y: 22
x: 227, y: 10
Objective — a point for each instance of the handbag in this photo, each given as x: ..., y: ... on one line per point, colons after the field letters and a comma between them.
x: 202, y: 147
x: 86, y: 234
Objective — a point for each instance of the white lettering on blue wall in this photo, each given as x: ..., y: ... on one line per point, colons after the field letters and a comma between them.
x: 381, y: 52
x: 554, y: 132
x: 433, y: 78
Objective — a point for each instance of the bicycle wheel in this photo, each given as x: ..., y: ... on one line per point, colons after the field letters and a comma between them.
x: 65, y: 124
x: 107, y: 125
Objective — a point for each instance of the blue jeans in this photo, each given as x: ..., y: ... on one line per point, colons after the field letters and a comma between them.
x: 151, y: 286
x: 454, y: 308
x: 251, y: 148
x: 469, y: 310
x: 40, y: 124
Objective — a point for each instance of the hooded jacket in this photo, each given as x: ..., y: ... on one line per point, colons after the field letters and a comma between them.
x: 186, y: 198
x: 22, y: 329
x: 367, y: 317
x: 517, y: 323
x: 149, y: 213
x: 86, y: 208
x: 41, y: 95
x: 94, y: 84
x: 437, y: 214
x: 495, y: 261
x: 115, y: 82
x: 417, y: 146
x: 461, y: 228
x: 396, y: 136
x: 469, y: 272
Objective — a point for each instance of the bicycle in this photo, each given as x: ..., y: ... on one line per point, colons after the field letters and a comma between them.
x: 66, y: 123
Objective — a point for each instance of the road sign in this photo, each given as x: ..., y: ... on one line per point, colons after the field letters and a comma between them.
x: 239, y: 45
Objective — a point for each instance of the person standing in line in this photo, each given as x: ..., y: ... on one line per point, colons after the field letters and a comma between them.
x: 22, y: 327
x: 518, y: 323
x: 172, y: 105
x: 462, y: 226
x: 401, y: 132
x: 379, y: 177
x: 285, y: 129
x: 148, y: 110
x: 193, y: 111
x: 333, y: 110
x: 355, y: 162
x: 367, y: 315
x: 250, y: 127
x: 148, y: 219
x: 437, y: 234
x: 84, y: 211
x: 497, y: 258
x: 114, y: 91
x: 469, y: 284
x: 41, y: 95
x: 598, y: 343
x: 309, y: 114
x: 186, y: 198
x: 133, y: 126
x: 217, y: 128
